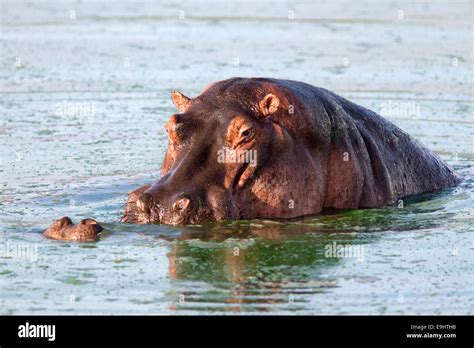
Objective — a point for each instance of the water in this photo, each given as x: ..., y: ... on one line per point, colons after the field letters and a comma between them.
x: 124, y: 59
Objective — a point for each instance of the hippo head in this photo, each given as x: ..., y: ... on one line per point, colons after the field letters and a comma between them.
x: 233, y: 152
x: 65, y: 229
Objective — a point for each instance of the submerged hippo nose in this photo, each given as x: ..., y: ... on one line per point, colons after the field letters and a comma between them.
x: 145, y: 202
x: 181, y: 204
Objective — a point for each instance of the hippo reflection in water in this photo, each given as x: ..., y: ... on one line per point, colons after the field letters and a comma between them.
x: 249, y: 148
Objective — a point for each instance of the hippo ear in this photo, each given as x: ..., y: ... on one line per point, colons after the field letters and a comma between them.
x: 64, y: 221
x: 269, y: 104
x: 181, y: 102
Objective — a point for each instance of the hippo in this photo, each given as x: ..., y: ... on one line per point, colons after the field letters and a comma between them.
x: 250, y: 148
x: 64, y: 229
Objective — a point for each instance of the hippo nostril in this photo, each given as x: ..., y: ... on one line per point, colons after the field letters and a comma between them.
x: 145, y: 202
x: 181, y: 204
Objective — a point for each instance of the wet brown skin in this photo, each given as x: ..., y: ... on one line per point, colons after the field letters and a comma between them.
x: 64, y: 229
x: 314, y: 150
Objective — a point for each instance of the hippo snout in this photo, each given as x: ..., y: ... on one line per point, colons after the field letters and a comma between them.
x: 145, y: 202
x: 176, y: 210
x: 181, y: 205
x: 159, y: 204
x: 184, y: 209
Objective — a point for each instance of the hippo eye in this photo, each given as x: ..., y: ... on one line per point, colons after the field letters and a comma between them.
x: 246, y: 132
x: 175, y: 133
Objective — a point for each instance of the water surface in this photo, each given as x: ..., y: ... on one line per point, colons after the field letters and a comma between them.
x: 124, y: 59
